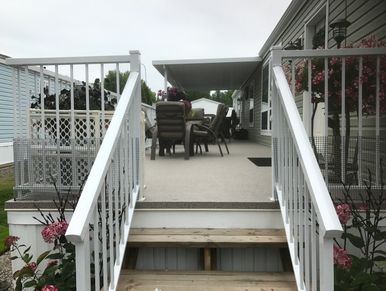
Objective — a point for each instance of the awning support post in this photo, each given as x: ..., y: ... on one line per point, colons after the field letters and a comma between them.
x: 165, y: 79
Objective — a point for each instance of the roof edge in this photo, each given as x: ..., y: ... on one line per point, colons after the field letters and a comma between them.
x: 204, y: 99
x: 206, y: 61
x: 288, y: 14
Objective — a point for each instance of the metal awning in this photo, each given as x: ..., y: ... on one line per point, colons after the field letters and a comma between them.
x: 208, y: 74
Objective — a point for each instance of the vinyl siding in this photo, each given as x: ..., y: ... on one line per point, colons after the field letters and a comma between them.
x: 30, y: 85
x: 6, y: 104
x: 366, y: 17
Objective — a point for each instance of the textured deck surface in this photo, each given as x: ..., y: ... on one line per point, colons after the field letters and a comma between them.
x: 209, y: 177
x: 198, y: 281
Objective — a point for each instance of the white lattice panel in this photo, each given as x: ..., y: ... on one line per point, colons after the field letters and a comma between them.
x: 81, y: 129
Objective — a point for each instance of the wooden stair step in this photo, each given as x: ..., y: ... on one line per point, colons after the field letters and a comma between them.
x: 206, y: 238
x: 201, y: 280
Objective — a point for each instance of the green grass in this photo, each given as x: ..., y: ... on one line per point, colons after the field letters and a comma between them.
x: 6, y: 193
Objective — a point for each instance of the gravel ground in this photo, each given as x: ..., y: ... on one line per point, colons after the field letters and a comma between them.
x: 5, y: 272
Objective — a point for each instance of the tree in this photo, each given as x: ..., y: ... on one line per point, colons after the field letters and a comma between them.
x: 223, y: 97
x: 148, y: 96
x: 194, y: 95
x: 111, y: 81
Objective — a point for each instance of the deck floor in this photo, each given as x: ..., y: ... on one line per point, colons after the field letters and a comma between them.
x: 209, y: 177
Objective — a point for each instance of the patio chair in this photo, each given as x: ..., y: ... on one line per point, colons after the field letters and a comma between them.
x: 212, y: 132
x: 170, y: 128
x: 149, y: 128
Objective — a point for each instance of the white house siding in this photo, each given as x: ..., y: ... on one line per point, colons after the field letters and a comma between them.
x: 30, y: 85
x: 6, y: 104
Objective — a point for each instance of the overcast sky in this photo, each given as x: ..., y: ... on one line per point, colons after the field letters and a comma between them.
x: 159, y: 29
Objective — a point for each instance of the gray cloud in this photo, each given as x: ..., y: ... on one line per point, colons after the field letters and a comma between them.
x: 160, y: 29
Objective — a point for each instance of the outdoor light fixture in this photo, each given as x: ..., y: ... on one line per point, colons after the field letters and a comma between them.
x: 294, y: 45
x: 339, y: 30
x: 290, y: 46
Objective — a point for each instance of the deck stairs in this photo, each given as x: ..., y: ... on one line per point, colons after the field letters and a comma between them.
x: 207, y: 277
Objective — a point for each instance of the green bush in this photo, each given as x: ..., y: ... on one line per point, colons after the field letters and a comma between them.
x: 6, y: 193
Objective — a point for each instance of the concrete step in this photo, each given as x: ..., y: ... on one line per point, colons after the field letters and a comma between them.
x: 203, y: 280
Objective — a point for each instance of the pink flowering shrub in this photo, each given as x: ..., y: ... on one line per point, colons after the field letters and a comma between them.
x: 49, y: 288
x: 368, y: 79
x: 360, y: 220
x: 10, y: 241
x: 343, y: 211
x: 54, y: 231
x: 61, y: 258
x: 341, y: 258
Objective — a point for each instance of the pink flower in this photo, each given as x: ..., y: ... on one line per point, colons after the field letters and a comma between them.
x: 54, y: 231
x: 343, y: 211
x: 341, y: 259
x: 61, y: 227
x: 318, y: 78
x: 11, y: 240
x: 48, y: 234
x: 32, y: 266
x: 49, y: 288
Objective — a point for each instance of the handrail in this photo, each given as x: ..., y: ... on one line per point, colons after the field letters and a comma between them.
x: 99, y: 227
x: 93, y: 185
x: 312, y: 174
x: 309, y: 216
x: 100, y: 224
x: 355, y: 60
x: 71, y: 60
x: 343, y: 52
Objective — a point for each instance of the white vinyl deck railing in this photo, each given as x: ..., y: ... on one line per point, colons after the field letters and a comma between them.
x: 100, y: 224
x: 309, y: 216
x: 350, y: 117
x: 108, y: 200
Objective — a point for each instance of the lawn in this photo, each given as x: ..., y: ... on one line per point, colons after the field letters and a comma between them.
x: 6, y: 184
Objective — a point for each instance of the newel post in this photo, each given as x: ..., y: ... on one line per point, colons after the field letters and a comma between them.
x: 135, y: 66
x: 276, y: 57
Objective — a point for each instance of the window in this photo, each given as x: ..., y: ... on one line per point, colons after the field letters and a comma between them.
x: 265, y: 101
x: 251, y: 106
x: 316, y: 29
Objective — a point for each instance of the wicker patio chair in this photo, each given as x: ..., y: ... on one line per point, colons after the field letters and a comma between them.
x: 170, y: 128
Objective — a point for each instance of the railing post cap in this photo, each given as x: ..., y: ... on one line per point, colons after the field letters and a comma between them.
x: 276, y: 47
x: 135, y: 52
x: 276, y: 55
